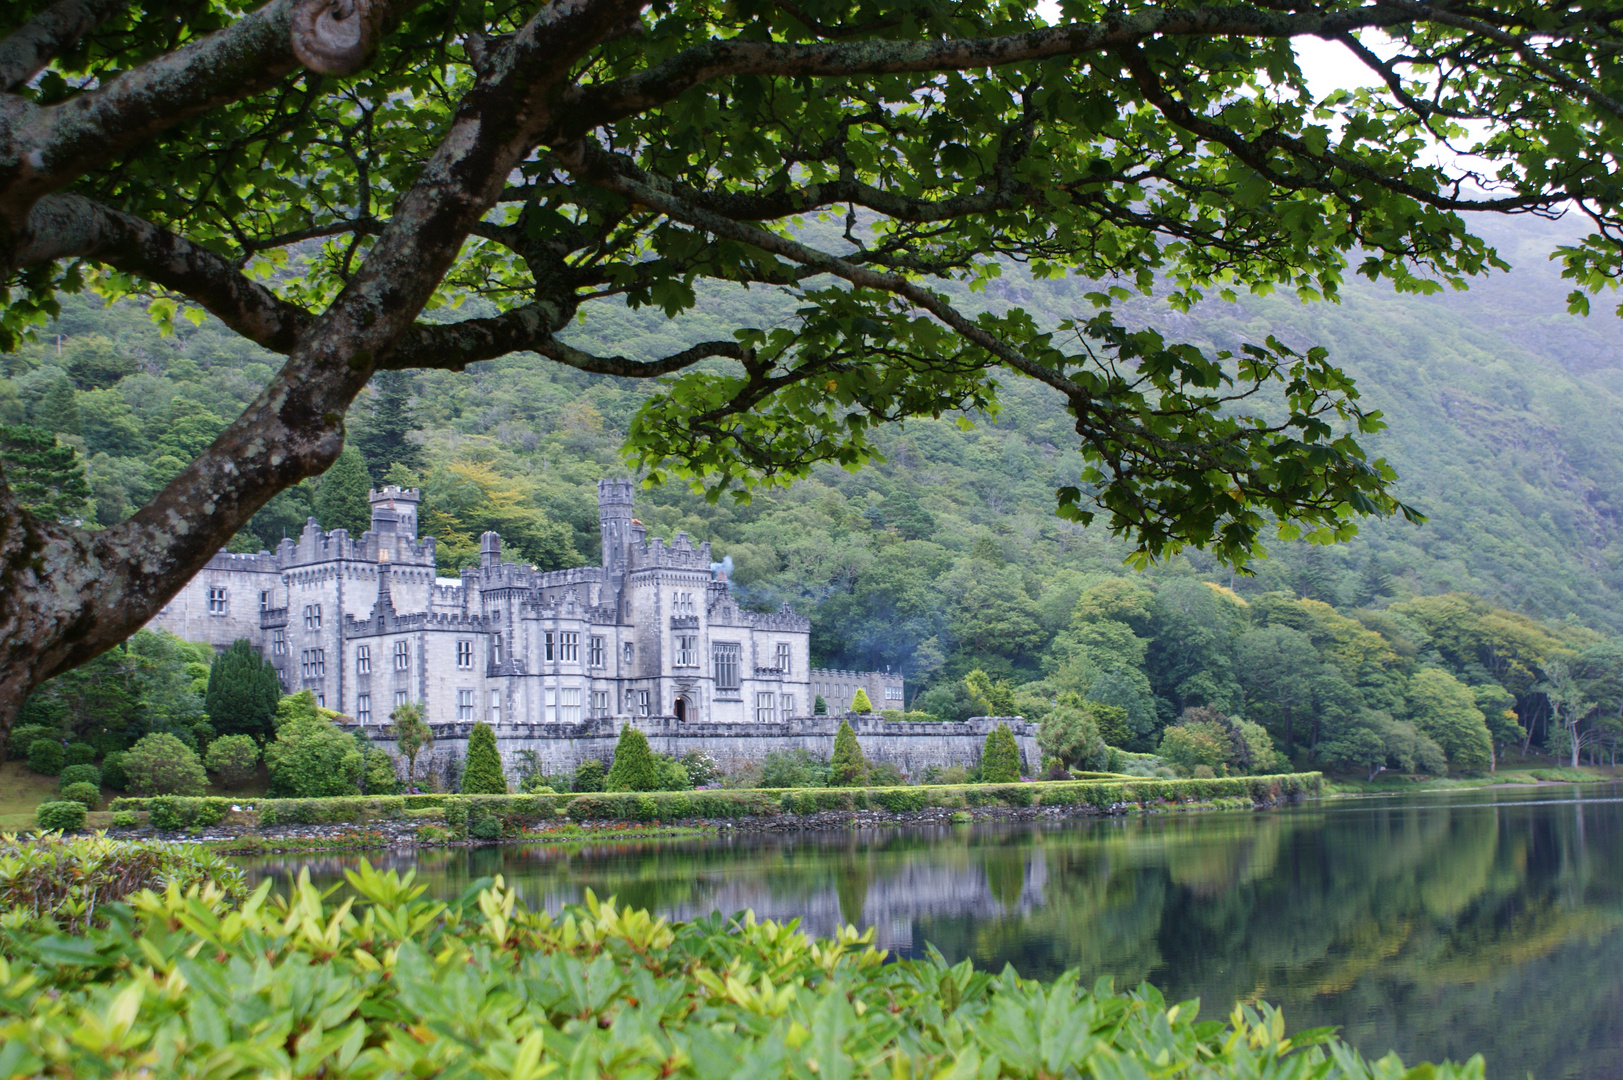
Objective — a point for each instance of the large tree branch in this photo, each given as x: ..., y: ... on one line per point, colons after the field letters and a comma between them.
x: 54, y: 31
x: 45, y: 148
x: 657, y: 195
x: 72, y: 226
x: 605, y: 102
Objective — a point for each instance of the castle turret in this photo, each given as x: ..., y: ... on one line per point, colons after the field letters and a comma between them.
x: 490, y: 549
x: 394, y: 511
x: 614, y: 515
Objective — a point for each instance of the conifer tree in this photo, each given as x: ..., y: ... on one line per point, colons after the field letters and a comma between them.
x: 819, y: 707
x: 633, y: 768
x: 860, y: 702
x: 383, y: 440
x: 341, y: 503
x: 57, y: 412
x: 482, y: 775
x: 242, y: 693
x: 1000, y: 757
x: 47, y: 477
x: 848, y: 767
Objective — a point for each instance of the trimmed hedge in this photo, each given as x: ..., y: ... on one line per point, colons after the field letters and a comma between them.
x: 517, y: 811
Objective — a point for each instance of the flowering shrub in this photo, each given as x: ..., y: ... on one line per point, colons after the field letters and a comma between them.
x: 393, y: 985
x: 67, y: 882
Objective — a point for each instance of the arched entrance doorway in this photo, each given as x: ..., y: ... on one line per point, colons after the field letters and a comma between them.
x: 681, y: 710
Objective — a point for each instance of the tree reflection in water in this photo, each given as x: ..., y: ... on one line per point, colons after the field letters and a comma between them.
x: 1436, y: 926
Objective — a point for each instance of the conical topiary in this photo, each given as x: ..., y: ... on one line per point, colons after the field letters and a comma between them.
x: 848, y: 767
x: 860, y: 702
x: 1000, y: 758
x: 819, y: 707
x: 482, y: 774
x: 633, y: 768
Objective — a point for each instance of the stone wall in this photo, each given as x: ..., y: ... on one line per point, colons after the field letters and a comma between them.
x: 559, y: 748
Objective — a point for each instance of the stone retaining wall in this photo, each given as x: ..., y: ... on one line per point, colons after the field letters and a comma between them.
x: 558, y: 748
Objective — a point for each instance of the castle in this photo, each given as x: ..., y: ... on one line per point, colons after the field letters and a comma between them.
x: 365, y: 624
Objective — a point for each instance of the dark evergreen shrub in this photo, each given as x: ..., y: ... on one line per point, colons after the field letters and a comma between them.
x: 78, y: 774
x: 89, y: 795
x: 112, y: 771
x: 65, y: 815
x: 79, y: 753
x: 486, y: 828
x: 589, y: 776
x: 848, y: 767
x: 46, y: 756
x: 1000, y: 758
x: 242, y: 692
x: 634, y: 768
x: 482, y: 774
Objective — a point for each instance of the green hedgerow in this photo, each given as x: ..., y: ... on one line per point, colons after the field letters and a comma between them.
x: 634, y: 768
x: 65, y: 815
x: 482, y: 774
x: 1000, y: 757
x: 848, y: 767
x: 125, y: 819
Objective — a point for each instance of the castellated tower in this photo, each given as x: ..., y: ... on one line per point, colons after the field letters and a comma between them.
x: 394, y: 511
x: 614, y: 515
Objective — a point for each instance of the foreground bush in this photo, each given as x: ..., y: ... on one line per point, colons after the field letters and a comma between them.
x: 67, y: 882
x: 64, y: 816
x: 403, y: 986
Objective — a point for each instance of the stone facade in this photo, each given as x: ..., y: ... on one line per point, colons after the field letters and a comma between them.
x: 556, y: 748
x: 555, y: 661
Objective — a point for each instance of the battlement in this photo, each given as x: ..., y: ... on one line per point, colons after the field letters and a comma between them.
x: 262, y: 563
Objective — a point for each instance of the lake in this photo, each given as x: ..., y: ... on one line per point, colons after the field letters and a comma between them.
x: 1436, y: 925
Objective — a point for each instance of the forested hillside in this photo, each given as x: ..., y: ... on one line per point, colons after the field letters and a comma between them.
x: 947, y: 557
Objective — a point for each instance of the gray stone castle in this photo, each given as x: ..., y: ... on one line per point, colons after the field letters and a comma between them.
x: 555, y: 661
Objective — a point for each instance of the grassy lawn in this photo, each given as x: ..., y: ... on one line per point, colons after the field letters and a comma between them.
x: 21, y: 791
x: 1516, y: 774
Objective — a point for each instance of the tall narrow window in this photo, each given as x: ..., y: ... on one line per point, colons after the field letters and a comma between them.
x: 644, y: 703
x: 363, y: 708
x: 569, y: 648
x: 594, y: 654
x: 569, y: 705
x: 726, y: 660
x: 465, y: 705
x: 787, y: 704
x: 496, y: 650
x: 600, y: 703
x: 495, y: 707
x: 549, y: 702
x: 546, y: 646
x: 402, y: 656
x: 784, y: 654
x: 401, y: 697
x: 216, y: 600
x: 464, y: 654
x: 321, y: 701
x: 628, y: 652
x: 312, y: 616
x: 279, y: 642
x: 264, y: 599
x: 766, y: 708
x: 363, y: 659
x: 687, y: 655
x: 321, y: 662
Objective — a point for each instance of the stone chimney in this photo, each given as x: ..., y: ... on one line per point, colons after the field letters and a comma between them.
x: 490, y: 549
x: 394, y: 511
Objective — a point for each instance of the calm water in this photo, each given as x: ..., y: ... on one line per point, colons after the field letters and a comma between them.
x: 1437, y: 926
